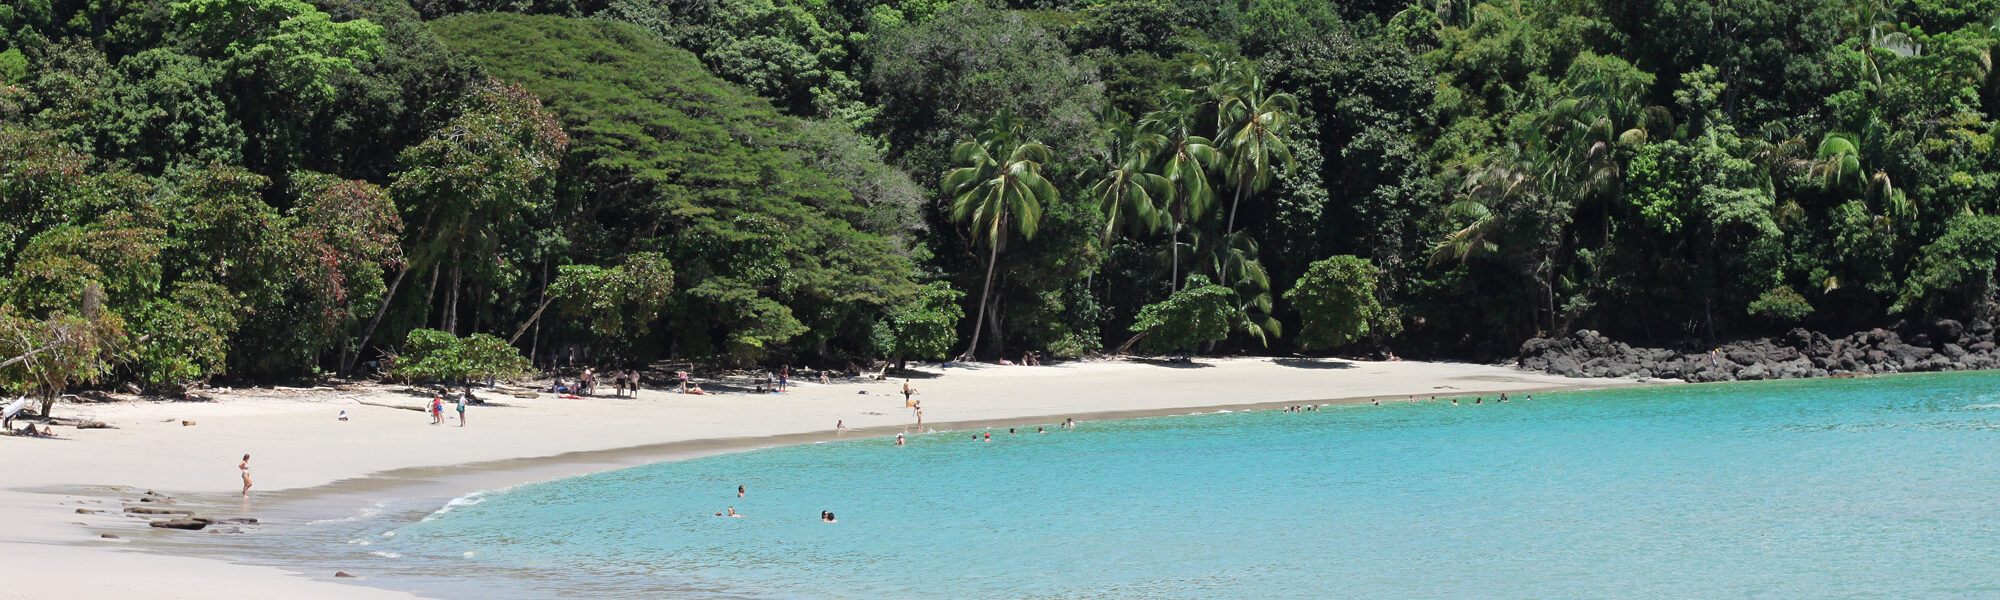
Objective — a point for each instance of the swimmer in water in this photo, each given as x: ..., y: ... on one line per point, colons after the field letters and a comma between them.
x: 1010, y: 431
x: 1479, y: 400
x: 827, y: 516
x: 899, y: 439
x: 732, y: 512
x: 1038, y: 429
x: 989, y: 437
x: 1378, y: 401
x: 1454, y: 402
x: 739, y: 491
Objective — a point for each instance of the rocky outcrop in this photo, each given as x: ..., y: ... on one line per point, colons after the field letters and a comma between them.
x: 1940, y: 345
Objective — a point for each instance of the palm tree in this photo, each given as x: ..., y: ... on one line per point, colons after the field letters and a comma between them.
x: 1253, y: 122
x: 1000, y: 190
x: 1231, y: 261
x: 1128, y: 187
x: 1185, y: 159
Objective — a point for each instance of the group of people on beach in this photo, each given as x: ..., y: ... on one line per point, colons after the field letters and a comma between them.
x: 623, y: 381
x: 436, y: 408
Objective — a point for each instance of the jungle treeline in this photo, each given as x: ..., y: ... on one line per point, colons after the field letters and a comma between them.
x: 287, y: 187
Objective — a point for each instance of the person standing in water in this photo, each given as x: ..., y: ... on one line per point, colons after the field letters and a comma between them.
x: 244, y: 467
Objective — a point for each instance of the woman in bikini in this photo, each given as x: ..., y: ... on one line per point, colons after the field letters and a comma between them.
x: 245, y: 468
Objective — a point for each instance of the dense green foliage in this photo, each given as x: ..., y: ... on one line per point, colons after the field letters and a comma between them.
x: 278, y: 187
x: 1337, y: 304
x: 925, y: 328
x: 434, y: 355
x: 1195, y: 314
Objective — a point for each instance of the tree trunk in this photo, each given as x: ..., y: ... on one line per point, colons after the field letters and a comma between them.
x: 1174, y: 247
x: 535, y: 343
x: 451, y: 300
x: 998, y: 341
x: 979, y: 322
x: 1241, y: 187
x: 387, y: 298
x: 532, y: 319
x: 430, y: 293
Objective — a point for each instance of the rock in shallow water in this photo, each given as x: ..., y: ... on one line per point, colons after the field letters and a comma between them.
x: 187, y: 524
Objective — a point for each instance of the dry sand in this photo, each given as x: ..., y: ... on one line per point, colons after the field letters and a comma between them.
x: 51, y: 551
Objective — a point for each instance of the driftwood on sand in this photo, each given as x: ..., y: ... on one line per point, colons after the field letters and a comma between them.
x: 395, y: 406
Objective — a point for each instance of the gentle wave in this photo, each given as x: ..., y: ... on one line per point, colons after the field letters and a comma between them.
x: 456, y: 503
x: 366, y: 512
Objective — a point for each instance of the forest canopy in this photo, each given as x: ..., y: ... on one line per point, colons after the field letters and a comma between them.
x: 265, y: 188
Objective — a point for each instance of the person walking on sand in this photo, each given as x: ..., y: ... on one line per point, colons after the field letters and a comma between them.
x: 437, y: 409
x: 461, y: 411
x: 245, y: 468
x: 907, y: 392
x: 684, y: 380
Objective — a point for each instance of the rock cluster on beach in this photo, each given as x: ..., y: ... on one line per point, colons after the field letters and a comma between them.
x: 1939, y: 345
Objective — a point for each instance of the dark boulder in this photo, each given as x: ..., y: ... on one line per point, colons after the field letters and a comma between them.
x: 187, y: 524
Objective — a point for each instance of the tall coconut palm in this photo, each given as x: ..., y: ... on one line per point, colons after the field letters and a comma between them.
x: 1253, y: 122
x: 1185, y: 159
x: 1130, y: 195
x: 999, y: 191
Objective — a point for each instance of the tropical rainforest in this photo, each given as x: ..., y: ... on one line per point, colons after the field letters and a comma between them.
x: 275, y: 188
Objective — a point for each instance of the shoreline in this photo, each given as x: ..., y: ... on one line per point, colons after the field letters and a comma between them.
x: 337, y: 497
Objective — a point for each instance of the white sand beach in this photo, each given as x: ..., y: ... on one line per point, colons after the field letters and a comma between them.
x: 52, y: 551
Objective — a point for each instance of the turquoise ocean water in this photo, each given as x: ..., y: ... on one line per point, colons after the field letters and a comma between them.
x: 1877, y: 488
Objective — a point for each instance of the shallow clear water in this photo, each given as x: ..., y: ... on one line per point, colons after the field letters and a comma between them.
x: 1878, y: 488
